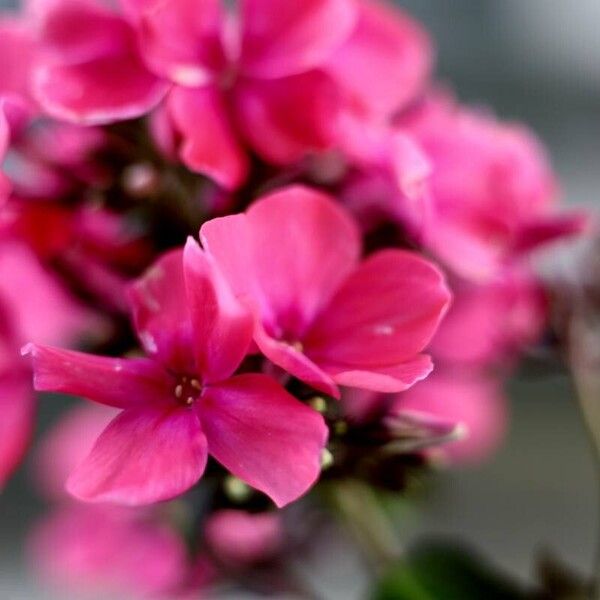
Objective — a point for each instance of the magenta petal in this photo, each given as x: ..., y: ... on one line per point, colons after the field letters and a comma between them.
x: 294, y: 362
x: 264, y: 436
x: 161, y: 315
x: 209, y: 143
x: 123, y: 383
x: 97, y: 92
x: 286, y: 37
x: 286, y: 119
x: 386, y: 311
x: 383, y: 379
x: 386, y: 62
x: 181, y: 40
x: 222, y: 327
x: 17, y: 407
x: 142, y: 457
x: 301, y: 245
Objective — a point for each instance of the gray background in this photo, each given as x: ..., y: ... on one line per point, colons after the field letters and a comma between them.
x: 537, y: 61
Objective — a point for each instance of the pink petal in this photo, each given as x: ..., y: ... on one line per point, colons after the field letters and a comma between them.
x: 384, y: 314
x: 301, y: 245
x: 89, y: 551
x: 386, y: 62
x: 17, y: 407
x: 181, y: 40
x: 67, y: 442
x: 286, y: 37
x: 550, y: 229
x: 264, y: 436
x: 209, y: 143
x: 239, y: 538
x: 17, y: 53
x: 160, y: 311
x: 474, y: 401
x: 222, y: 327
x: 123, y: 383
x: 98, y: 92
x: 92, y: 71
x: 294, y: 362
x: 286, y: 119
x: 142, y: 457
x: 382, y: 379
x: 48, y: 316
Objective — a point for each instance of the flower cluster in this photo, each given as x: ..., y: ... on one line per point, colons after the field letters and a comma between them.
x: 269, y: 224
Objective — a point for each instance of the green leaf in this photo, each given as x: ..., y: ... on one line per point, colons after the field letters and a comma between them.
x: 445, y: 572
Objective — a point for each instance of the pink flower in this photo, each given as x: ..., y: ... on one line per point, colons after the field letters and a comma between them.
x: 182, y: 403
x: 90, y: 69
x: 322, y: 315
x: 241, y: 539
x: 474, y: 401
x: 385, y: 63
x: 492, y: 188
x: 107, y: 552
x: 491, y: 323
x: 63, y: 447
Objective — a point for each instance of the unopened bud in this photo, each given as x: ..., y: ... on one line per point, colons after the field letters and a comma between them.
x: 327, y: 459
x: 236, y: 490
x: 319, y: 404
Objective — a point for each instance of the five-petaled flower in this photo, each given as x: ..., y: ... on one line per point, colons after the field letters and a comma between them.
x: 182, y: 402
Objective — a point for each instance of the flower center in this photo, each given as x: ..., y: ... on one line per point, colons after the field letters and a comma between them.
x: 187, y: 390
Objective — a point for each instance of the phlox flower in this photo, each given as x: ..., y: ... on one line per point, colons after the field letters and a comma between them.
x: 183, y: 402
x: 281, y: 77
x: 473, y: 400
x: 320, y: 313
x: 107, y: 551
x: 241, y: 539
x: 492, y: 189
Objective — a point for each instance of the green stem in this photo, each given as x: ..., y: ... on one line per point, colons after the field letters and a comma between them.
x: 585, y: 368
x: 368, y: 522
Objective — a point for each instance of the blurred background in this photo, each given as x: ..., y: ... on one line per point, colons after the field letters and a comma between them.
x: 536, y: 61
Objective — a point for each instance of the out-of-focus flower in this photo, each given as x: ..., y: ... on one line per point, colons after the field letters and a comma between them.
x: 286, y: 79
x: 322, y: 315
x: 493, y: 191
x: 474, y: 401
x: 71, y: 439
x: 241, y: 539
x: 490, y: 324
x: 183, y: 403
x: 108, y: 552
x: 17, y: 56
x: 90, y: 69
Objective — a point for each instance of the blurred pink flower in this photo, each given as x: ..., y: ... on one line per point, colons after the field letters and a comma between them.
x: 240, y: 539
x: 90, y: 69
x: 45, y: 314
x: 183, y: 403
x: 322, y: 315
x: 492, y: 188
x: 472, y: 400
x: 491, y: 323
x: 108, y: 552
x: 64, y: 446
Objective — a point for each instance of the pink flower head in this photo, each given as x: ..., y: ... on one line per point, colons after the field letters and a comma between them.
x: 491, y: 323
x: 182, y: 402
x: 321, y: 314
x: 108, y: 552
x: 474, y: 401
x: 492, y: 188
x: 241, y: 539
